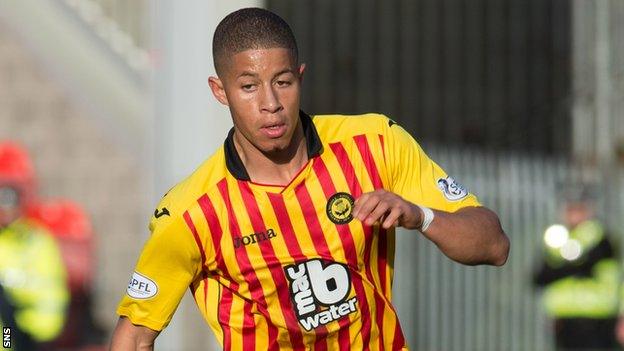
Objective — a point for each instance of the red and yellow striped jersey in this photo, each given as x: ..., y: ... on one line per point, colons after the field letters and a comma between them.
x: 288, y: 267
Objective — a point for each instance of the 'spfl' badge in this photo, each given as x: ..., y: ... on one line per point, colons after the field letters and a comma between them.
x: 451, y: 189
x: 340, y: 208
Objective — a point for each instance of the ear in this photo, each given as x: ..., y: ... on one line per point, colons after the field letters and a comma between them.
x: 216, y: 85
x: 301, y: 70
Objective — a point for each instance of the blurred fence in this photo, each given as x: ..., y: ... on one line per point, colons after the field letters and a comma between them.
x: 446, y: 306
x: 497, y: 72
x: 496, y: 82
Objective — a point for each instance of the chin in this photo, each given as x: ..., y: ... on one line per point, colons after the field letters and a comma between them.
x: 274, y: 148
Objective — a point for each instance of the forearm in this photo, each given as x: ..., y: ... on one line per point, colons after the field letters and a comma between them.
x: 471, y: 236
x: 131, y: 337
x: 126, y: 343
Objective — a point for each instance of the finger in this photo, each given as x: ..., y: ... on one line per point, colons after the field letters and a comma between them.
x: 364, y: 198
x: 357, y: 204
x: 366, y: 206
x: 376, y: 214
x: 392, y: 219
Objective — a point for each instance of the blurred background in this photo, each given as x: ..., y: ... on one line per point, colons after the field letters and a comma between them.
x: 513, y: 98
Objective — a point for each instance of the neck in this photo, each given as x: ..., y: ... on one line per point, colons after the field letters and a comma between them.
x: 276, y: 168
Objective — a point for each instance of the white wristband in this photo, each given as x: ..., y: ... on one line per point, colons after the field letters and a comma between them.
x: 427, y: 218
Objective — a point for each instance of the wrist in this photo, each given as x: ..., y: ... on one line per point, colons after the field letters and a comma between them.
x: 426, y: 218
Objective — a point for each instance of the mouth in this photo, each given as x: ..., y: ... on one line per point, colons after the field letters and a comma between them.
x: 275, y: 130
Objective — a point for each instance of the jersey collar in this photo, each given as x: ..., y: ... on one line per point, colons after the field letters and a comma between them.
x: 235, y: 165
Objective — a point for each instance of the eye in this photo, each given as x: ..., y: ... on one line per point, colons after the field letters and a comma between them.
x: 283, y: 83
x: 248, y: 87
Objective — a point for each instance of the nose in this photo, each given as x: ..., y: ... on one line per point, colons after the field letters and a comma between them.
x: 270, y: 100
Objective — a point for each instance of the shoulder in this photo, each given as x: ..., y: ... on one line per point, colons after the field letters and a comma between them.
x: 65, y: 219
x: 33, y: 232
x: 184, y: 194
x: 337, y: 127
x: 28, y: 227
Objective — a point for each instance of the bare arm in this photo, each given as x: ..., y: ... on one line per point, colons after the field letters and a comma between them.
x: 128, y: 336
x: 472, y: 235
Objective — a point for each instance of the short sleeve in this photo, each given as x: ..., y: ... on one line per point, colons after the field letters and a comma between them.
x: 416, y: 178
x: 169, y: 262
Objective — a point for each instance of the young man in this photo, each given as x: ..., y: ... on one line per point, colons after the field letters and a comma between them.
x: 286, y: 234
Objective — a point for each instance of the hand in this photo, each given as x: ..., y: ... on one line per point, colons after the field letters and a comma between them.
x: 388, y: 208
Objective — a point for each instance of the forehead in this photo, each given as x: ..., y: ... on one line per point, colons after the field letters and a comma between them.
x: 260, y: 62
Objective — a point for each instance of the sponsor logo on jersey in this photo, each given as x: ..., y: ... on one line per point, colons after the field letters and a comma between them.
x: 141, y: 287
x: 340, y: 207
x: 254, y: 238
x: 451, y: 189
x: 319, y: 291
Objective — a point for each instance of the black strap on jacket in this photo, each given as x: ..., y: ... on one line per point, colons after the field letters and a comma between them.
x: 548, y: 274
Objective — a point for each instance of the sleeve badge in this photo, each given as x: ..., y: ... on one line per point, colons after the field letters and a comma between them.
x: 452, y: 190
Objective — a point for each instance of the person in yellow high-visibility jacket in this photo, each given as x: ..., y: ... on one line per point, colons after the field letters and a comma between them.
x: 580, y: 277
x: 33, y: 291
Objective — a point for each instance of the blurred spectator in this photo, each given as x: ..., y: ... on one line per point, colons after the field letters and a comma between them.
x: 73, y: 231
x: 33, y: 292
x: 580, y: 275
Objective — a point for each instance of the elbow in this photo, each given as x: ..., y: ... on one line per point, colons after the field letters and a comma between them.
x: 500, y: 251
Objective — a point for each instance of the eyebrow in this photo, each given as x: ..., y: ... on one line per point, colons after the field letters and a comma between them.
x: 286, y: 70
x: 247, y: 74
x: 255, y: 75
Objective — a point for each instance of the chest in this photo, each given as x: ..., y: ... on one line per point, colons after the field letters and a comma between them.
x: 273, y: 230
x: 265, y: 230
x: 17, y: 257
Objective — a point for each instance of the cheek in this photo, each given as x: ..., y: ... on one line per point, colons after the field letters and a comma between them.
x: 244, y: 102
x: 244, y: 119
x: 289, y: 97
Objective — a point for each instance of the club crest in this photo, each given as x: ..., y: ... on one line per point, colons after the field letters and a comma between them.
x: 340, y: 208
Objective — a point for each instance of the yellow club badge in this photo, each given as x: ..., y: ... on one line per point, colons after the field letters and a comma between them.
x: 340, y: 208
